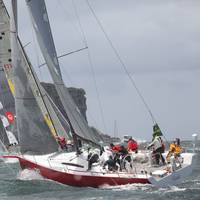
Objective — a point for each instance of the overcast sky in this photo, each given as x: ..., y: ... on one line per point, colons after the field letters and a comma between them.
x: 158, y: 40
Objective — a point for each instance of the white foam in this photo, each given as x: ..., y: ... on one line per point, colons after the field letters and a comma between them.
x: 127, y: 187
x: 11, y: 160
x: 28, y: 174
x: 175, y: 189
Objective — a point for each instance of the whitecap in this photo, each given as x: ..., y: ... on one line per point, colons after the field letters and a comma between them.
x: 28, y: 174
x: 127, y: 187
x: 174, y: 189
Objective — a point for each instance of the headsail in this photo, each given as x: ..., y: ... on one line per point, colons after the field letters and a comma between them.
x: 7, y: 109
x: 3, y: 136
x: 42, y: 28
x: 6, y: 97
x: 34, y: 132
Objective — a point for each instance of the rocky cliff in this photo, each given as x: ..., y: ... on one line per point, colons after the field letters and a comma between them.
x: 78, y: 95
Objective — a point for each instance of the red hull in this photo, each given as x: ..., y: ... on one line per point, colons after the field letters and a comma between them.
x: 79, y: 180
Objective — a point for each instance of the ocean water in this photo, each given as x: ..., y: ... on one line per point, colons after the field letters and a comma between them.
x: 26, y: 184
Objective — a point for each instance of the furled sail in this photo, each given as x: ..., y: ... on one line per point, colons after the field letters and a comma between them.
x: 42, y: 28
x: 34, y: 134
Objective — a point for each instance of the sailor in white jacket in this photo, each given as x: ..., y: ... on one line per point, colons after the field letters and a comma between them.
x: 157, y: 148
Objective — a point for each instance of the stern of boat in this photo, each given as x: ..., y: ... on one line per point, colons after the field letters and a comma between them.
x: 177, y: 176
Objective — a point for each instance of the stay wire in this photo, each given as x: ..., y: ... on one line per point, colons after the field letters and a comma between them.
x: 92, y: 67
x: 67, y: 15
x: 122, y: 63
x: 36, y: 51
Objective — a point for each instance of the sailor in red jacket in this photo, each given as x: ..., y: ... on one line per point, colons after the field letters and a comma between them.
x: 115, y: 148
x: 132, y: 145
x: 62, y: 142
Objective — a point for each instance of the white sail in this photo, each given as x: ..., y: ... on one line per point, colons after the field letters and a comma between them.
x: 3, y: 136
x: 42, y: 28
x: 4, y: 121
x: 1, y: 106
x: 11, y: 138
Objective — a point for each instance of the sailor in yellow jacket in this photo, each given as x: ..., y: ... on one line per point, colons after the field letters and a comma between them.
x: 175, y: 149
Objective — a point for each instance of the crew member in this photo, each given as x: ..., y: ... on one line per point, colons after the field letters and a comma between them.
x: 132, y: 145
x: 111, y: 163
x: 157, y: 148
x: 175, y: 149
x: 115, y: 148
x: 62, y: 142
x: 93, y: 157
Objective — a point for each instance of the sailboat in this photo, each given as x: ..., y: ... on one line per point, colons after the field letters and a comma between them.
x: 39, y: 124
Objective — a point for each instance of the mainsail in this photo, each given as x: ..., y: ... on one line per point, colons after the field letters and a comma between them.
x: 42, y: 28
x: 34, y: 134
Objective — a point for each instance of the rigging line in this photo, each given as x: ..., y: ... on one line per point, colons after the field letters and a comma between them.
x: 122, y: 63
x: 26, y: 44
x: 66, y: 54
x: 67, y: 15
x: 77, y: 29
x: 36, y: 52
x: 92, y: 67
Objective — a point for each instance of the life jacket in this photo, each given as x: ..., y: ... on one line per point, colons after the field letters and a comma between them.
x: 132, y: 145
x: 174, y: 148
x: 156, y: 143
x: 116, y: 148
x: 62, y: 142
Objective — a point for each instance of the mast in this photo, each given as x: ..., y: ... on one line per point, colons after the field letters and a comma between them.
x: 78, y: 125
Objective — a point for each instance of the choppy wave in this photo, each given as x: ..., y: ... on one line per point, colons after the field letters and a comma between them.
x: 28, y: 174
x: 175, y: 189
x: 31, y: 185
x: 128, y: 187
